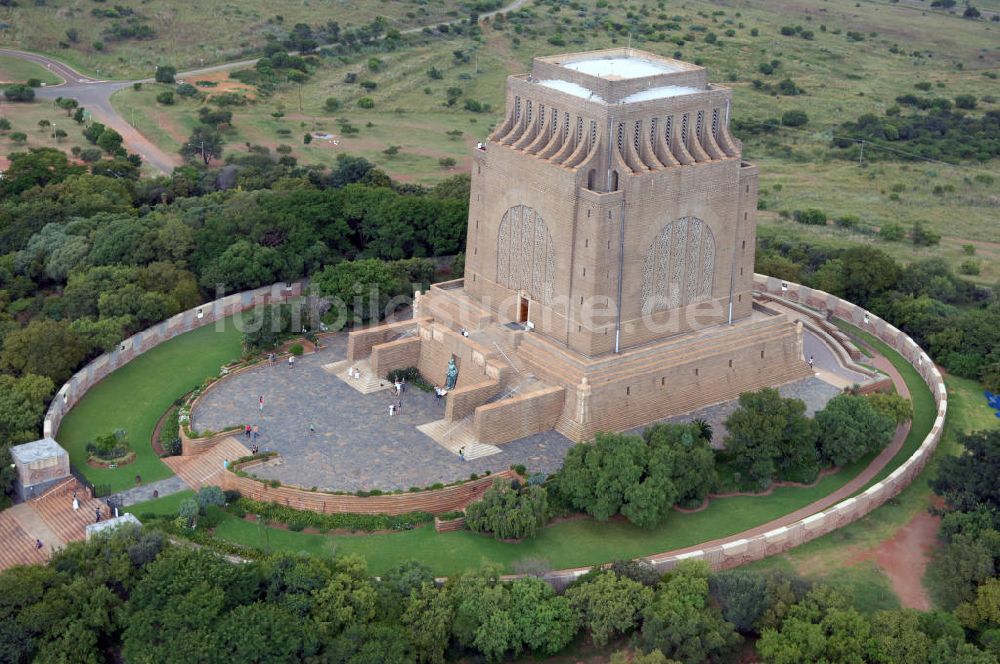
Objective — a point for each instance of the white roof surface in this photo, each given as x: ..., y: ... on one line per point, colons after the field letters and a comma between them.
x: 660, y: 93
x: 45, y: 448
x: 574, y: 89
x: 624, y: 67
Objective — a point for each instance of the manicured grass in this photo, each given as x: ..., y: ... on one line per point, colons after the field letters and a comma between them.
x: 924, y: 408
x: 135, y: 396
x: 15, y: 70
x: 167, y: 505
x: 575, y: 543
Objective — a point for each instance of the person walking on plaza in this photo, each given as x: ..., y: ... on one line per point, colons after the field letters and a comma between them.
x: 256, y: 434
x: 260, y: 403
x: 246, y: 431
x: 291, y: 361
x: 461, y: 453
x: 38, y: 544
x: 812, y: 361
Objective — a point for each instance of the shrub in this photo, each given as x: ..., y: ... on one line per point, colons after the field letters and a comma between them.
x: 166, y: 98
x: 923, y: 236
x: 331, y: 104
x: 19, y: 92
x: 794, y: 118
x: 169, y: 439
x: 366, y: 102
x: 20, y: 137
x: 969, y: 267
x: 296, y: 350
x: 812, y: 217
x: 508, y: 513
x: 186, y: 90
x: 273, y: 512
x: 891, y: 232
x: 165, y: 74
x: 211, y: 495
x: 188, y: 510
x: 412, y: 376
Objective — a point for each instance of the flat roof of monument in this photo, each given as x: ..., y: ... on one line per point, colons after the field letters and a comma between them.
x: 46, y: 448
x: 619, y: 64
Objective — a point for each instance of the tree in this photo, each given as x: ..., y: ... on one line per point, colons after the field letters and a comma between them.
x: 850, y: 428
x: 165, y: 74
x: 428, y: 617
x: 794, y: 118
x: 544, y: 622
x: 166, y: 98
x: 681, y: 624
x: 205, y: 142
x: 867, y: 272
x: 44, y: 124
x: 45, y: 348
x: 110, y: 140
x: 278, y: 635
x: 608, y: 605
x: 67, y: 104
x: 972, y: 478
x: 897, y: 408
x: 362, y: 288
x: 770, y: 437
x: 37, y: 167
x: 508, y: 513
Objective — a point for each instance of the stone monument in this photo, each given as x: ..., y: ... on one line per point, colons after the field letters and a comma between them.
x: 610, y: 253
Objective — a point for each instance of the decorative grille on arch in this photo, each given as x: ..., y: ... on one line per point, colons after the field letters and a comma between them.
x: 526, y: 257
x: 680, y: 266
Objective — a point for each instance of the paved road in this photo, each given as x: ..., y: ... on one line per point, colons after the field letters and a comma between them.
x: 95, y: 95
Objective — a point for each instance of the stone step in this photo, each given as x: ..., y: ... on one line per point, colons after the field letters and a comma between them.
x: 203, y: 469
x: 368, y: 383
x: 35, y: 526
x: 454, y: 436
x: 56, y: 510
x: 18, y: 547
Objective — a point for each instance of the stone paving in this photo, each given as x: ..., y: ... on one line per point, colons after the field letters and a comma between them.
x: 164, y: 487
x: 354, y: 444
x: 332, y: 437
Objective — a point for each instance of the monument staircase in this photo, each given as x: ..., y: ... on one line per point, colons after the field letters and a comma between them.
x: 18, y: 547
x: 368, y: 383
x: 55, y: 509
x: 204, y: 469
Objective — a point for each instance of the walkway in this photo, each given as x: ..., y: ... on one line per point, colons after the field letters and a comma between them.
x: 144, y: 492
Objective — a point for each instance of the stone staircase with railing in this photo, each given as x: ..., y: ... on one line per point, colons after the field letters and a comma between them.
x: 204, y: 469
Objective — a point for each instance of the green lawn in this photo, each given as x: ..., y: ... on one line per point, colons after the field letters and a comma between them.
x: 134, y: 397
x: 568, y: 544
x: 15, y: 70
x: 166, y: 505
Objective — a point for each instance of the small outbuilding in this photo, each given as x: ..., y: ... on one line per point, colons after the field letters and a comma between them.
x: 110, y: 524
x: 39, y: 465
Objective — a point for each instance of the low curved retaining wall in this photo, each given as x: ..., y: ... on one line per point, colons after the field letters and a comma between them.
x: 436, y: 501
x: 129, y: 349
x: 739, y: 551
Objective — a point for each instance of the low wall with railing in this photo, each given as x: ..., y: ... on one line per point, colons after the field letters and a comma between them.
x: 742, y: 550
x: 129, y: 349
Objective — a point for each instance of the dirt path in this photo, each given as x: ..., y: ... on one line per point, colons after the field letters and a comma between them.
x: 904, y: 559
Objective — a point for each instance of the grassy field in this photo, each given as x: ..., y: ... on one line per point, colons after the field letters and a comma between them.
x: 134, y: 397
x: 842, y: 79
x: 15, y: 70
x: 191, y: 34
x: 24, y: 118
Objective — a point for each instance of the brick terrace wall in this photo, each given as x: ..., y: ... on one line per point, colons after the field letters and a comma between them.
x: 450, y: 525
x: 521, y: 416
x: 74, y: 389
x: 438, y: 501
x: 463, y: 401
x: 398, y: 354
x: 846, y: 511
x: 360, y: 342
x: 438, y: 344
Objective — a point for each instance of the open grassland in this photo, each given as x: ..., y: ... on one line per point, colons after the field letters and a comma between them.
x: 15, y: 70
x: 134, y: 397
x: 190, y: 34
x: 842, y: 79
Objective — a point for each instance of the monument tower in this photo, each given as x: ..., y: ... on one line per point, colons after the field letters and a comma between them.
x: 609, y: 257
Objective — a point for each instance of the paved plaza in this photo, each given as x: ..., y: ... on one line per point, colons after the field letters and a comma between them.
x: 356, y: 445
x: 332, y: 437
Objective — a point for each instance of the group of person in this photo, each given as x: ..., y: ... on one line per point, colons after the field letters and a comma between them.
x: 252, y: 433
x: 271, y: 358
x: 398, y: 387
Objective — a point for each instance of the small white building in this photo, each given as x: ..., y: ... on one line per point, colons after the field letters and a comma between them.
x: 110, y: 524
x: 40, y: 465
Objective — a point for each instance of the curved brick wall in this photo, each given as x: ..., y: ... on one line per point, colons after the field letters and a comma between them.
x: 74, y: 389
x: 781, y: 539
x: 438, y: 501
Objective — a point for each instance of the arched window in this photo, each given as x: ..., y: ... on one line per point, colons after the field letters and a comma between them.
x: 526, y: 258
x: 680, y: 266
